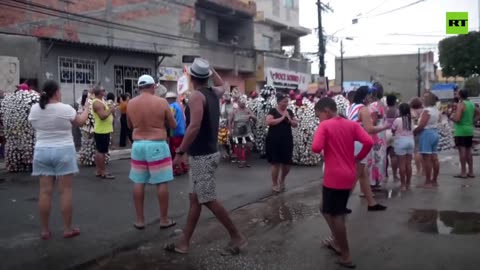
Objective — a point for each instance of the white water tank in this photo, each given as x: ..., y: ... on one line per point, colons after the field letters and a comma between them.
x: 9, y: 73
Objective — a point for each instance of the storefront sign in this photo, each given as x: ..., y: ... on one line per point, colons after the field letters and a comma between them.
x: 169, y: 73
x: 280, y: 78
x: 354, y: 85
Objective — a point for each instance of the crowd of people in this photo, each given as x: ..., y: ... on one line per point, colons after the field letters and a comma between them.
x: 360, y: 135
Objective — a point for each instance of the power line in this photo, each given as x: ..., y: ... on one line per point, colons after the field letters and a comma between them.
x: 377, y: 7
x: 397, y: 9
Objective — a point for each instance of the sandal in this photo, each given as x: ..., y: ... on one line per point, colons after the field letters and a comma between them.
x: 346, y: 264
x: 106, y: 176
x: 234, y: 250
x: 46, y: 236
x: 173, y: 248
x: 171, y: 224
x: 138, y: 227
x: 74, y: 233
x: 460, y: 176
x: 275, y: 189
x: 328, y: 243
x: 470, y: 175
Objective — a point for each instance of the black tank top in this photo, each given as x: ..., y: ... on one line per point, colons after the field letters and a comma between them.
x: 206, y: 141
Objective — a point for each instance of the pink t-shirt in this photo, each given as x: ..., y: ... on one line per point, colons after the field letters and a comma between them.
x: 336, y: 138
x: 398, y: 129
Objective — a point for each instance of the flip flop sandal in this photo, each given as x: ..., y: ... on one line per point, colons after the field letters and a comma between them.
x: 172, y: 223
x: 74, y: 233
x: 234, y: 250
x: 328, y: 244
x: 172, y: 248
x: 138, y: 227
x: 349, y: 265
x: 470, y: 176
x: 460, y: 176
x: 46, y: 236
x: 107, y: 176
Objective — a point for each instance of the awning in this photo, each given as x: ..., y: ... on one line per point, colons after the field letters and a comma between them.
x: 104, y: 46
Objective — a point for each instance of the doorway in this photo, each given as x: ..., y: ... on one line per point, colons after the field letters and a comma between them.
x: 126, y: 79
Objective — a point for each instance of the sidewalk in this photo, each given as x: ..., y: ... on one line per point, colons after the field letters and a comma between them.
x: 421, y: 230
x: 104, y: 212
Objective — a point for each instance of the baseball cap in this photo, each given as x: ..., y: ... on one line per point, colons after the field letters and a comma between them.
x: 145, y: 80
x: 171, y: 95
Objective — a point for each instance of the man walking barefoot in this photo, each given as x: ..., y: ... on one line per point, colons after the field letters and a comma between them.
x: 336, y: 137
x: 200, y: 142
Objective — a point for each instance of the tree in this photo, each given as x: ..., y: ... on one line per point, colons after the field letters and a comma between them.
x: 473, y: 86
x: 460, y: 55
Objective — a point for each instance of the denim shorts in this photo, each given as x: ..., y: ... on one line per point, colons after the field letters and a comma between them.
x: 428, y: 141
x: 54, y: 161
x: 404, y: 145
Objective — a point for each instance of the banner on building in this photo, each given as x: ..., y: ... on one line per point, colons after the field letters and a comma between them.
x: 354, y: 85
x: 280, y: 78
x: 169, y: 73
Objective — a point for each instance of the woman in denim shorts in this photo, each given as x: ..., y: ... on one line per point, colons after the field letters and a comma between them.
x: 54, y: 155
x: 427, y: 130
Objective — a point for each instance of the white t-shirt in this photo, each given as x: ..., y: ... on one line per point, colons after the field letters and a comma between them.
x: 434, y: 117
x: 53, y: 125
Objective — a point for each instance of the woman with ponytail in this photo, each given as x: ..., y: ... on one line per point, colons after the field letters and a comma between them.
x: 54, y: 154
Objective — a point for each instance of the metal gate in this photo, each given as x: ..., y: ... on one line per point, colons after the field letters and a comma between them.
x: 76, y: 75
x: 126, y: 79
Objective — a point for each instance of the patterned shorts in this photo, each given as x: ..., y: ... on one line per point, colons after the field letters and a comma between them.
x: 202, y: 176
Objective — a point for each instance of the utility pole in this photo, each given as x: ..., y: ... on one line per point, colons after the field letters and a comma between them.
x: 321, y: 45
x: 341, y: 64
x: 419, y: 76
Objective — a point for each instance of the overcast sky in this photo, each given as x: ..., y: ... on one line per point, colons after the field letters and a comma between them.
x: 421, y: 26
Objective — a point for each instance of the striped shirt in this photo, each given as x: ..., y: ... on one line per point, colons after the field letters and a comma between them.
x: 353, y: 112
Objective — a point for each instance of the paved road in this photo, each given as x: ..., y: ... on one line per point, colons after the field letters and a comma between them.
x: 422, y: 229
x: 104, y: 212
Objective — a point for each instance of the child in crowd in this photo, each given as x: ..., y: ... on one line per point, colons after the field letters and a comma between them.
x: 336, y: 137
x: 404, y: 144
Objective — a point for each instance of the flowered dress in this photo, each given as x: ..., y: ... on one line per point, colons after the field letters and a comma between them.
x: 378, y: 159
x: 19, y: 133
x: 303, y: 134
x: 87, y: 149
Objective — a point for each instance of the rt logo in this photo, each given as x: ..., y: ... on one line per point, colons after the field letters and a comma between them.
x: 457, y: 23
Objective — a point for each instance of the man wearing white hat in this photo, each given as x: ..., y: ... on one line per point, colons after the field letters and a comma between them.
x: 200, y: 142
x: 148, y: 116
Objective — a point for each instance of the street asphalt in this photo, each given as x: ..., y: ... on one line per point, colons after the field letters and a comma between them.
x: 422, y: 229
x: 104, y: 212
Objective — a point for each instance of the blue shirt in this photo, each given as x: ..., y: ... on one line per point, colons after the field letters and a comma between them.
x: 179, y: 117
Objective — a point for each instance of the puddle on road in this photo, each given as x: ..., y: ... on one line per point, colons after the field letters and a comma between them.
x: 280, y: 211
x: 445, y: 222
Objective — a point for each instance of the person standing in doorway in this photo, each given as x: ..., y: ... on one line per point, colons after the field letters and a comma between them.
x: 200, y: 142
x: 125, y: 132
x: 103, y: 127
x: 279, y: 143
x: 465, y: 116
x: 148, y: 116
x: 176, y: 134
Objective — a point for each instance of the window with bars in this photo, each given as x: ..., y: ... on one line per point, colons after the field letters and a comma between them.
x: 77, y: 71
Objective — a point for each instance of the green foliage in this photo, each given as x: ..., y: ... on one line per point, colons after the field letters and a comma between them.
x: 473, y: 86
x: 460, y: 55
